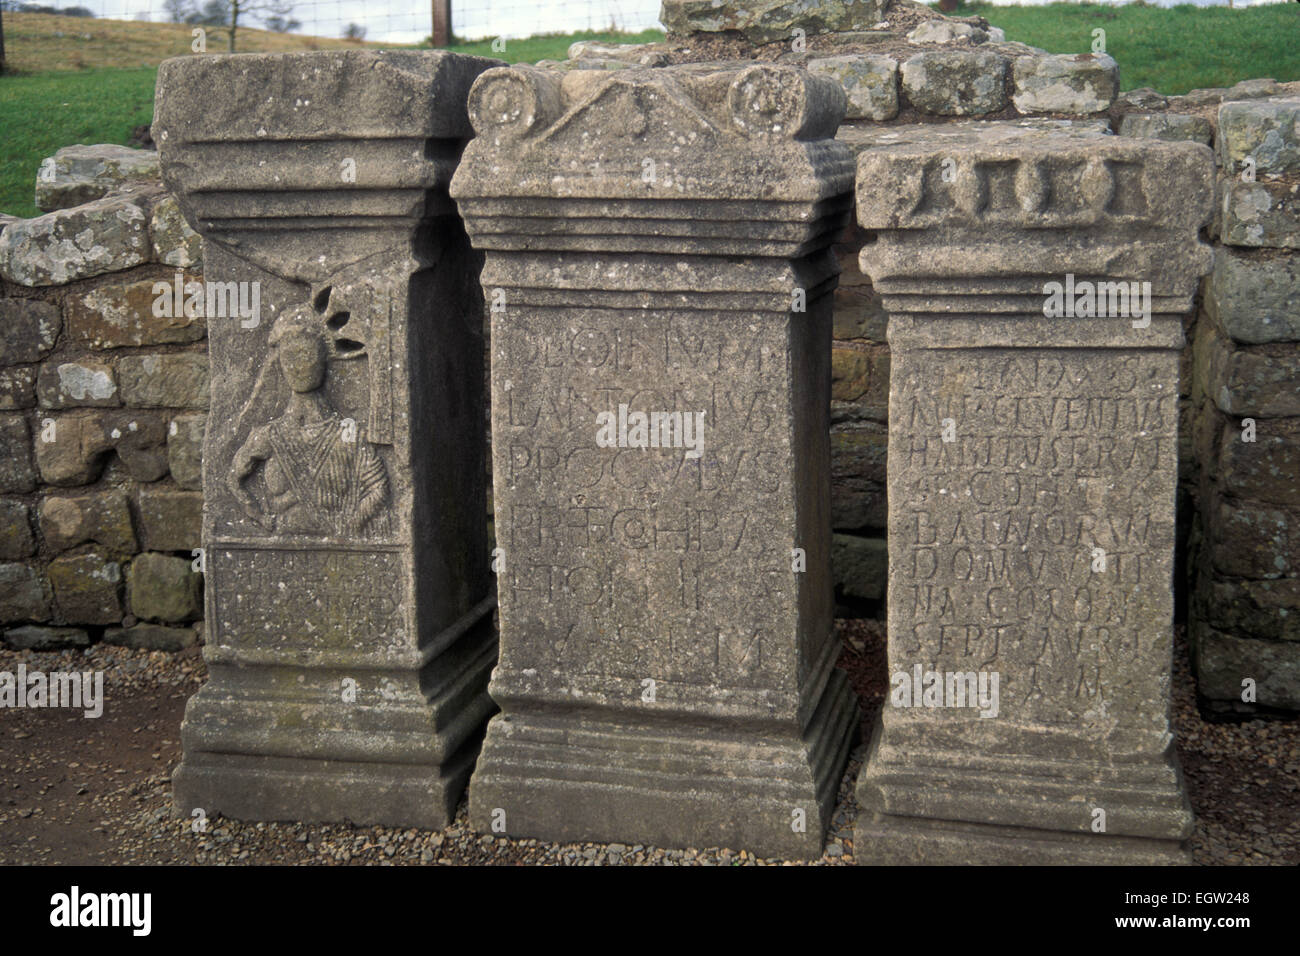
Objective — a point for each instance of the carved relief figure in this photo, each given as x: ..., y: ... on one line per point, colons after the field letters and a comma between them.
x: 319, y: 474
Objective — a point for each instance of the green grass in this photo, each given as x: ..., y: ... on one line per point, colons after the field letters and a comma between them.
x: 43, y: 112
x: 1173, y: 49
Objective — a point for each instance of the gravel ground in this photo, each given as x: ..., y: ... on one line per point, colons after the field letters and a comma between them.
x: 74, y: 790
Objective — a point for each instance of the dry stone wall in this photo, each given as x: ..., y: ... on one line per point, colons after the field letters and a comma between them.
x: 102, y: 410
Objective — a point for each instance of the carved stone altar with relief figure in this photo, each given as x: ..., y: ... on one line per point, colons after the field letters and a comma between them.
x: 349, y: 636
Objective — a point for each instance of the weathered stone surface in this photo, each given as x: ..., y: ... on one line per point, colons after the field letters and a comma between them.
x: 858, y: 496
x: 16, y: 471
x: 71, y: 448
x: 185, y: 450
x: 956, y: 82
x: 29, y: 329
x: 164, y: 588
x: 762, y: 21
x: 122, y: 314
x: 1267, y: 609
x: 870, y: 83
x: 102, y: 517
x: 152, y: 637
x: 1251, y: 540
x: 1254, y: 89
x: 17, y: 388
x: 174, y: 242
x: 1075, y: 84
x: 639, y: 54
x: 80, y: 174
x: 859, y: 567
x: 1167, y: 126
x: 946, y: 31
x: 24, y: 594
x: 370, y: 568
x: 1255, y: 296
x: 171, y: 380
x: 1224, y: 661
x: 1144, y: 98
x: 1268, y: 133
x: 1264, y: 469
x: 87, y: 588
x: 1002, y: 503
x: 1261, y: 214
x: 33, y: 637
x: 629, y: 568
x: 1263, y: 380
x: 106, y: 235
x: 170, y: 519
x: 74, y: 384
x: 16, y: 540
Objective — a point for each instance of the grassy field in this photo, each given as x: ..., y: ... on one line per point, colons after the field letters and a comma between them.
x: 91, y: 81
x: 1172, y: 49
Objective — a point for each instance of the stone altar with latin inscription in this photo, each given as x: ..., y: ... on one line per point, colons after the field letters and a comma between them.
x: 1032, y: 471
x: 657, y: 245
x: 349, y: 636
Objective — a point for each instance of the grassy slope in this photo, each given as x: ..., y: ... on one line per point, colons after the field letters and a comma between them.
x: 79, y: 100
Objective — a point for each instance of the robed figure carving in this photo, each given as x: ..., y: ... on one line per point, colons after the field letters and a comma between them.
x: 320, y: 475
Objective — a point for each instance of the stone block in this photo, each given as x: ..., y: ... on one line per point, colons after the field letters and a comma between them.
x: 17, y: 388
x: 174, y: 242
x: 24, y: 594
x: 168, y: 380
x: 164, y: 588
x: 1224, y: 661
x: 29, y: 329
x: 76, y: 384
x: 33, y: 637
x: 1261, y: 214
x: 1255, y: 295
x: 102, y: 517
x: 1267, y: 132
x: 106, y: 235
x: 152, y: 637
x: 1266, y: 468
x: 870, y: 84
x: 956, y: 82
x: 122, y: 314
x: 185, y: 450
x: 1174, y: 127
x: 765, y: 21
x: 16, y: 471
x: 170, y: 519
x: 859, y: 566
x: 16, y: 539
x: 87, y: 588
x: 1076, y: 84
x: 1248, y: 381
x: 80, y: 174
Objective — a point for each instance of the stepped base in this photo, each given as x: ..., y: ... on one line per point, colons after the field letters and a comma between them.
x: 573, y: 777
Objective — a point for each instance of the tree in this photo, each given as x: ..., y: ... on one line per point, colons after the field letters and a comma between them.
x: 355, y: 31
x: 178, y: 11
x: 278, y: 24
x: 227, y: 13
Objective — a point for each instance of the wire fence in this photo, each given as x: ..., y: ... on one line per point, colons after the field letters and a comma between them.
x: 393, y: 22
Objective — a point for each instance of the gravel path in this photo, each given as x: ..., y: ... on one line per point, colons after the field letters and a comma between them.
x: 74, y: 790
